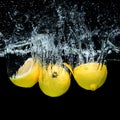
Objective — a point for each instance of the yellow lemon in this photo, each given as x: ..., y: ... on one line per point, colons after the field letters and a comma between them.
x: 90, y: 76
x: 68, y: 66
x: 55, y: 80
x: 28, y: 74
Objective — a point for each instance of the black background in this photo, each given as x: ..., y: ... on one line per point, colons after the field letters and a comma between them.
x: 75, y: 96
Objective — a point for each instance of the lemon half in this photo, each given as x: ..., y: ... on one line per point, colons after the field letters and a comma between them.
x: 55, y: 80
x: 28, y: 74
x: 90, y: 76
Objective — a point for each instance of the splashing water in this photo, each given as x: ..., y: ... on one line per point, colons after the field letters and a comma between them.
x: 45, y: 49
x: 2, y: 45
x: 69, y: 33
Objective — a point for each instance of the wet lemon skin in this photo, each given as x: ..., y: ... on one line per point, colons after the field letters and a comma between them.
x: 55, y: 81
x: 89, y: 76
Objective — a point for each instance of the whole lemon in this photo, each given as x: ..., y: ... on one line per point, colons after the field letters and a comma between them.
x: 90, y: 76
x: 54, y: 80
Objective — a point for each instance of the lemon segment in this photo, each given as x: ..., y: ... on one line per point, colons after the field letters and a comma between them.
x: 90, y: 76
x: 69, y: 67
x: 27, y: 75
x: 55, y: 80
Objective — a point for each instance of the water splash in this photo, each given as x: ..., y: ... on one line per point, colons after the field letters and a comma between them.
x: 65, y: 32
x: 45, y: 49
x: 2, y: 45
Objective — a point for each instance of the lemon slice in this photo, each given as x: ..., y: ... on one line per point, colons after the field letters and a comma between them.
x: 90, y: 76
x: 55, y: 80
x: 68, y: 66
x: 27, y: 75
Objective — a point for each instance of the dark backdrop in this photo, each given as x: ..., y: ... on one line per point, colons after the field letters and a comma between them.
x: 75, y: 96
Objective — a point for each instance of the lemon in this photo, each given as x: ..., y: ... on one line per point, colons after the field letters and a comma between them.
x: 28, y: 74
x: 68, y: 66
x: 55, y: 80
x: 90, y: 76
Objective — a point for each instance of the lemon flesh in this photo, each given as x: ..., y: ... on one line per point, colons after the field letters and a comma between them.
x: 27, y: 75
x: 90, y: 76
x: 55, y: 80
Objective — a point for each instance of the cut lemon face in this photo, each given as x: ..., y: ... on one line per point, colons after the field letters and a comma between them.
x: 90, y: 76
x: 55, y: 80
x: 28, y: 74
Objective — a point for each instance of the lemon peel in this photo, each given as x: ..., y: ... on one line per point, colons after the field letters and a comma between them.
x: 55, y: 80
x: 89, y: 76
